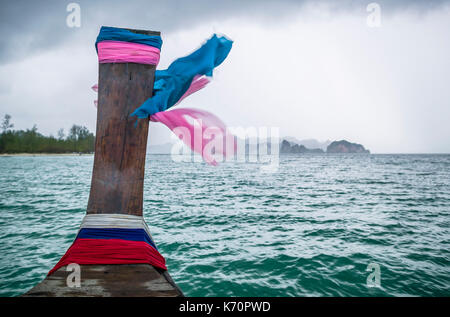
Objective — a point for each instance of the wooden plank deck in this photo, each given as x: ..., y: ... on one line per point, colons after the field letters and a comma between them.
x: 128, y: 280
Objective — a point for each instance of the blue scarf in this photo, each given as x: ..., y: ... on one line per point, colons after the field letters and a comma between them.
x: 173, y: 82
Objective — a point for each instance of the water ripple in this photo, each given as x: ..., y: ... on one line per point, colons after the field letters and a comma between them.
x: 309, y: 229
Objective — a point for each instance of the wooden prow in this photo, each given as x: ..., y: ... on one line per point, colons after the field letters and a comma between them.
x: 117, y: 184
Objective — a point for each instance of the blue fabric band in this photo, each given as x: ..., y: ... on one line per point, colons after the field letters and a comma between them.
x: 108, y: 33
x: 116, y: 233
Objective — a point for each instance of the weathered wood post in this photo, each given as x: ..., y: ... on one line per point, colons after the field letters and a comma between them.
x: 117, y: 184
x: 120, y: 146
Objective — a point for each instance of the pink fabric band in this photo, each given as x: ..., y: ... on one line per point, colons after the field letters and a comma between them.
x: 125, y: 52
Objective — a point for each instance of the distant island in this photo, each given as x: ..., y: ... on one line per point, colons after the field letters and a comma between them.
x: 342, y: 146
x: 294, y: 148
x: 288, y: 145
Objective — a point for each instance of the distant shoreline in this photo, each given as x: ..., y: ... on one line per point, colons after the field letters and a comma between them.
x: 281, y: 154
x: 46, y: 154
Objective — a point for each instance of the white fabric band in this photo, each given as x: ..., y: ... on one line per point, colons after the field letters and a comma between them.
x: 114, y: 221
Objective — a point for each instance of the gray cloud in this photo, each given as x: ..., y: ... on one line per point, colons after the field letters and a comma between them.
x: 29, y: 27
x: 336, y: 77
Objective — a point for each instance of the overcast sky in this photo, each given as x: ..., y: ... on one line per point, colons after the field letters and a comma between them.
x: 313, y: 68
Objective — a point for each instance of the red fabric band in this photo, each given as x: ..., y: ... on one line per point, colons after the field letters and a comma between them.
x: 111, y: 251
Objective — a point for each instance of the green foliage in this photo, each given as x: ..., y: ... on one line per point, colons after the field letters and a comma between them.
x: 6, y: 125
x: 79, y: 140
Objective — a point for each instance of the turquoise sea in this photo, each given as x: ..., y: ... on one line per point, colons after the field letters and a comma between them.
x: 309, y: 229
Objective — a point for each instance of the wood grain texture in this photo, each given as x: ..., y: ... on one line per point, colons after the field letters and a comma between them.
x: 131, y: 280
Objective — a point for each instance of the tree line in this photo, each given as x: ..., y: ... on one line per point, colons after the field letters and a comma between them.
x: 79, y: 140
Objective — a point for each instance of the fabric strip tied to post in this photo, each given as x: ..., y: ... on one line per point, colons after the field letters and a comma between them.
x: 183, y: 77
x: 172, y: 83
x: 119, y: 52
x: 188, y: 123
x: 108, y: 33
x: 112, y: 239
